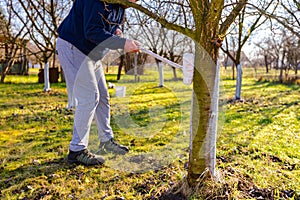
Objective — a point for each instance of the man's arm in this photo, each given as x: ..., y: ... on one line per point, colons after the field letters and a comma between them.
x: 94, y: 26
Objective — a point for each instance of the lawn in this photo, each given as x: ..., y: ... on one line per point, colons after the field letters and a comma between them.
x: 258, y: 148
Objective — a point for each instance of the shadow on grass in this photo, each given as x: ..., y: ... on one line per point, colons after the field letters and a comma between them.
x: 276, y: 83
x: 268, y: 116
x: 33, y: 170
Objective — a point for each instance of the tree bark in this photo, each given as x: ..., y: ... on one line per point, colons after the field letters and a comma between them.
x: 204, y: 77
x: 122, y: 57
x: 282, y: 66
x: 174, y: 73
x: 266, y: 63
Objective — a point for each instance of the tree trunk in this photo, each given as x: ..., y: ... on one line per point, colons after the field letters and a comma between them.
x: 233, y: 74
x: 5, y: 69
x: 208, y: 33
x: 135, y: 69
x: 120, y: 67
x: 203, y: 87
x: 5, y: 64
x: 3, y: 74
x: 266, y: 63
x: 54, y: 59
x: 46, y: 77
x: 239, y: 74
x: 282, y: 66
x: 174, y: 73
x: 281, y: 75
x: 161, y: 74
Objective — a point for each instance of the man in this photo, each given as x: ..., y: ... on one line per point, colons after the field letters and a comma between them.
x: 85, y: 35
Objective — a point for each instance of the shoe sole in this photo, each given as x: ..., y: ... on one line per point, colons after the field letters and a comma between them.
x: 71, y: 162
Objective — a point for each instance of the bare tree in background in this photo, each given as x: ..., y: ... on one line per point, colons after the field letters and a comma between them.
x: 281, y: 47
x: 287, y: 15
x: 290, y: 58
x: 167, y: 43
x: 12, y: 38
x: 44, y: 18
x: 241, y: 32
x: 268, y: 53
x: 281, y: 51
x: 176, y: 45
x: 293, y: 54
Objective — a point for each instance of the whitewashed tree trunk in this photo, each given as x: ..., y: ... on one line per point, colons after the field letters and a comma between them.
x: 239, y: 75
x: 203, y: 116
x: 46, y: 77
x: 161, y: 74
x: 212, y: 131
x: 135, y: 68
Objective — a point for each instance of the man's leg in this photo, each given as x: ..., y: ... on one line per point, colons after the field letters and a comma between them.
x: 107, y: 144
x: 86, y: 94
x: 102, y: 114
x: 80, y: 76
x: 70, y: 68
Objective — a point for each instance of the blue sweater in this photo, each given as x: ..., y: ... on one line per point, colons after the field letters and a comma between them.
x: 90, y: 27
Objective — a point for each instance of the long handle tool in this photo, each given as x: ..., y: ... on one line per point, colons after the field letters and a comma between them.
x: 187, y: 68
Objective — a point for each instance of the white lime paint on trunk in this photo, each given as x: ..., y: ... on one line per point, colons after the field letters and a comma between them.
x: 161, y: 74
x: 238, y: 82
x: 135, y: 68
x: 211, y: 138
x: 46, y: 78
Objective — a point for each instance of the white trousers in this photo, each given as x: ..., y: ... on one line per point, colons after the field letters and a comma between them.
x: 86, y: 85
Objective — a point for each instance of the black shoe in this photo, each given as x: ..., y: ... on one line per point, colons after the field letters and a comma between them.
x: 84, y: 157
x: 112, y: 147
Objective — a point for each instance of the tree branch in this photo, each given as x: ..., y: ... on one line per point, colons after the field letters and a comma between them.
x: 184, y: 30
x: 231, y: 17
x: 277, y: 18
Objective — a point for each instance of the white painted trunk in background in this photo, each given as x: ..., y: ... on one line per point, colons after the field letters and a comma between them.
x: 239, y: 73
x: 46, y: 78
x: 188, y: 68
x: 135, y: 68
x: 161, y: 74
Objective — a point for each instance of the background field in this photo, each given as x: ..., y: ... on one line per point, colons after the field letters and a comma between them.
x: 258, y: 142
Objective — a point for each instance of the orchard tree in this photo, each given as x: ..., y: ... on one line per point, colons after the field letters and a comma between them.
x: 12, y: 37
x: 246, y: 23
x: 268, y: 53
x: 281, y: 47
x: 287, y: 15
x: 44, y: 17
x: 207, y: 29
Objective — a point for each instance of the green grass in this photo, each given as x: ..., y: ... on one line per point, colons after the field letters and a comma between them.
x: 262, y: 134
x: 258, y: 145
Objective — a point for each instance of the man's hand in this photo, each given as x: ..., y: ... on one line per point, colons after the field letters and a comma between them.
x: 118, y: 32
x: 131, y: 46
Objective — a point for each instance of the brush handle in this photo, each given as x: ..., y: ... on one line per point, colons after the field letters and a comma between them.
x: 161, y: 58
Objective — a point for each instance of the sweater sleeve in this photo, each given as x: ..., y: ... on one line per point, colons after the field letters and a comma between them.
x: 95, y: 26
